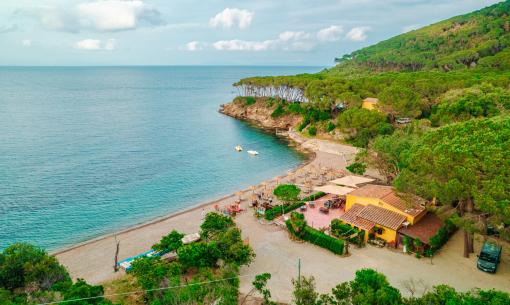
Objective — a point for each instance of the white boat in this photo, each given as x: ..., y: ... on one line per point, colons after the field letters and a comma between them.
x: 238, y: 148
x: 253, y: 152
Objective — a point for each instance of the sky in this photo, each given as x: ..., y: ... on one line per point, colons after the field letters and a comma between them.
x: 207, y: 32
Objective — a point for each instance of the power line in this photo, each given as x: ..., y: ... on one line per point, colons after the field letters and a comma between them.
x: 146, y: 290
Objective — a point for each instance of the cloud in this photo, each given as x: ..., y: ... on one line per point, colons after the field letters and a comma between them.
x: 232, y: 17
x: 332, y: 33
x: 101, y: 16
x: 358, y: 33
x: 193, y: 46
x: 8, y: 28
x: 26, y: 42
x: 286, y: 41
x: 95, y: 45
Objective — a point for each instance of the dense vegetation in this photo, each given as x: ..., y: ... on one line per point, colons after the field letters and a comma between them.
x: 451, y: 71
x: 28, y: 275
x: 371, y: 287
x: 205, y: 272
x: 480, y: 38
x: 452, y: 80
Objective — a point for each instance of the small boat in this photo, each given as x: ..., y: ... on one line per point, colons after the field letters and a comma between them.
x: 253, y: 152
x: 238, y: 148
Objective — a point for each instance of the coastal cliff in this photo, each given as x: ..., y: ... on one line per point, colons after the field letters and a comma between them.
x: 260, y: 114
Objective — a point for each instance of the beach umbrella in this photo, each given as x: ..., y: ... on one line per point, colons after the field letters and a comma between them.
x: 239, y: 194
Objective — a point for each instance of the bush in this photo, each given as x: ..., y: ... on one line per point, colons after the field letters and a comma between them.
x: 278, y: 112
x: 442, y: 235
x: 331, y: 127
x: 357, y: 168
x: 287, y: 192
x: 277, y: 211
x: 318, y: 238
x: 303, y: 124
x: 249, y: 100
x: 312, y: 130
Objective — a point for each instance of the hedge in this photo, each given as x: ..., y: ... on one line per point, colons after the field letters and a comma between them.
x: 318, y: 238
x: 277, y: 210
x: 442, y: 235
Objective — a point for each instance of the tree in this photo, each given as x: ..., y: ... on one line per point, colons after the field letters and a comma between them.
x: 361, y: 125
x: 24, y: 264
x: 215, y: 223
x: 169, y: 243
x: 260, y: 285
x: 466, y: 165
x: 287, y: 192
x: 304, y: 291
x: 85, y: 294
x: 199, y: 254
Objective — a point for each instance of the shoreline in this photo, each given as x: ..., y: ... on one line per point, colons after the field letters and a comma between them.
x: 93, y: 259
x: 310, y: 157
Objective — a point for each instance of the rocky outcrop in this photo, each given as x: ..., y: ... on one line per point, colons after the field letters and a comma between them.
x: 260, y: 114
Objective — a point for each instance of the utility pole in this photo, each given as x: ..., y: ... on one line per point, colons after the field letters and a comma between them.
x: 299, y: 272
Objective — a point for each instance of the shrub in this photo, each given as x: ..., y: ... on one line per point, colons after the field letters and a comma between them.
x: 357, y: 168
x: 277, y: 211
x: 287, y: 192
x: 312, y: 130
x: 318, y: 238
x: 294, y: 108
x: 215, y: 223
x: 278, y: 112
x: 442, y: 235
x: 169, y: 243
x: 249, y: 100
x: 303, y: 124
x: 331, y: 126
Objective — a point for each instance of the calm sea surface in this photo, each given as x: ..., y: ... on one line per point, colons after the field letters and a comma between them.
x: 87, y: 151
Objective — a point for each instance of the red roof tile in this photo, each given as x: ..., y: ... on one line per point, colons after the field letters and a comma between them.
x: 424, y: 229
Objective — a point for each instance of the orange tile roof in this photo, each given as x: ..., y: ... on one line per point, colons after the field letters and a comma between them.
x: 382, y: 217
x: 351, y: 217
x: 387, y: 194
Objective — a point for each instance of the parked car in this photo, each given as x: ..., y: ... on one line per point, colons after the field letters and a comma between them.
x: 489, y: 257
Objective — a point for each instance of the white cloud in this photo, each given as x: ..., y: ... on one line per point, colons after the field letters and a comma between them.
x: 332, y: 33
x: 193, y: 46
x: 231, y: 17
x: 287, y: 41
x: 102, y: 16
x: 243, y: 45
x: 358, y: 33
x: 26, y: 42
x: 95, y: 45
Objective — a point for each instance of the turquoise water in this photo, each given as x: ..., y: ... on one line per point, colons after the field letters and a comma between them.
x: 87, y: 151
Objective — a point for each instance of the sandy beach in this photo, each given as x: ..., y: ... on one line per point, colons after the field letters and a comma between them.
x: 93, y: 260
x: 278, y: 255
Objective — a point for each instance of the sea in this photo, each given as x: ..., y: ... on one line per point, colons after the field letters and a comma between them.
x: 86, y: 151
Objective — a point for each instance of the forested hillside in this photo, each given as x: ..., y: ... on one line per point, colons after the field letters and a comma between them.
x: 480, y: 38
x: 440, y: 126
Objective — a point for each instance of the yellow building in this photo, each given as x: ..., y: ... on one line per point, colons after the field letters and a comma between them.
x: 377, y: 209
x: 370, y: 103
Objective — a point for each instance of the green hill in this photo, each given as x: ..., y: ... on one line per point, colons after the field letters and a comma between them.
x: 480, y: 38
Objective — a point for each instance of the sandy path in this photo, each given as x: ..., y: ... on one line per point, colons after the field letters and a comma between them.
x: 279, y: 255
